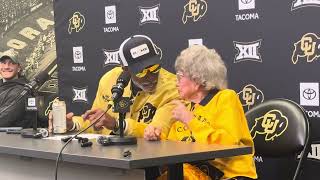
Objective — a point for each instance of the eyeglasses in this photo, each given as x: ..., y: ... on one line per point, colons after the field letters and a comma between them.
x: 179, y: 75
x: 152, y: 69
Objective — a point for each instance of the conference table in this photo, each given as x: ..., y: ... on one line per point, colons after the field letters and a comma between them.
x: 35, y: 158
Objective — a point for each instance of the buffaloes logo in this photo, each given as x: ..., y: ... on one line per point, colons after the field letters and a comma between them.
x: 250, y: 96
x: 195, y: 9
x: 76, y: 22
x: 146, y: 113
x: 307, y: 48
x: 270, y: 125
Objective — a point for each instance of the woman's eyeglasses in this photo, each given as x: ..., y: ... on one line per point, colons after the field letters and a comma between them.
x: 179, y: 75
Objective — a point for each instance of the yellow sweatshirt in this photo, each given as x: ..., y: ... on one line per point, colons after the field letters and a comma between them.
x: 147, y: 108
x: 219, y: 119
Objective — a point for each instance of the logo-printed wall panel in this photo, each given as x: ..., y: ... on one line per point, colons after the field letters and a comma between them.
x: 271, y: 49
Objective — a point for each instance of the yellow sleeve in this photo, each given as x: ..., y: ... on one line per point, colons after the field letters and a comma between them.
x: 172, y: 133
x: 99, y: 102
x: 225, y: 128
x: 162, y: 119
x: 134, y: 128
x: 163, y: 116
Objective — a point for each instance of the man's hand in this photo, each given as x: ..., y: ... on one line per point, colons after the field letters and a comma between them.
x: 106, y: 120
x: 181, y: 113
x: 152, y: 133
x: 68, y: 120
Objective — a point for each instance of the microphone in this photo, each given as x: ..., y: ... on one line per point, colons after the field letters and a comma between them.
x: 121, y: 106
x: 38, y: 80
x: 86, y: 144
x: 122, y: 82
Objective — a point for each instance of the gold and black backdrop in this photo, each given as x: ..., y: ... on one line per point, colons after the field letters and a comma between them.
x: 271, y: 48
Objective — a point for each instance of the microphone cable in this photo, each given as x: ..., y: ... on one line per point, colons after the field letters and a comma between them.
x: 65, y: 145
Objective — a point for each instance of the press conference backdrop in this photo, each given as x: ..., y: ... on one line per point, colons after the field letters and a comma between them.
x: 27, y: 32
x: 271, y: 49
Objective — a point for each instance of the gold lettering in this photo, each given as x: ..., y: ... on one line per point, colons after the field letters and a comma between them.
x: 44, y: 23
x: 248, y: 96
x: 308, y: 46
x: 194, y: 7
x: 29, y: 33
x: 269, y: 123
x: 16, y: 44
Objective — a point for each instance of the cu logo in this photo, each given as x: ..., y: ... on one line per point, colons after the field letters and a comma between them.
x: 309, y: 94
x: 123, y: 103
x: 246, y: 1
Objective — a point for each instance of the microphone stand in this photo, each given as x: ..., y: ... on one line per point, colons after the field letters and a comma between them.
x: 122, y: 106
x: 32, y: 109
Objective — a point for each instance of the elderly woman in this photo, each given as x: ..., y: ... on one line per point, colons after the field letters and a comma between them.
x: 213, y: 116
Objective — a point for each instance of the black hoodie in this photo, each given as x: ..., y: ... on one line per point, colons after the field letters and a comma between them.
x: 15, y: 115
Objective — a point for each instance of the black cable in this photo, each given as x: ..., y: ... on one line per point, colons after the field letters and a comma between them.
x: 65, y: 145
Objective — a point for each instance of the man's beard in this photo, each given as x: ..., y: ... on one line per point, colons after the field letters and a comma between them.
x: 143, y: 88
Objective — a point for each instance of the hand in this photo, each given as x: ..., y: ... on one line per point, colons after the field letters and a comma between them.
x: 152, y: 133
x: 181, y: 113
x: 68, y: 120
x: 106, y: 120
x: 50, y: 122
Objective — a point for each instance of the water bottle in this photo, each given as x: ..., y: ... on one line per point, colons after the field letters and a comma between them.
x: 59, y: 117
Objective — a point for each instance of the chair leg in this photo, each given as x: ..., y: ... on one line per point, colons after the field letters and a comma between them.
x: 152, y: 173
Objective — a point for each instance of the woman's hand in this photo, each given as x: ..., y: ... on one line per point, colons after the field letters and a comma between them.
x: 181, y: 113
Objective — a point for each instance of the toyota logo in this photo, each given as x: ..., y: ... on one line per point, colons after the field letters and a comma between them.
x: 246, y: 1
x: 309, y: 94
x: 110, y: 14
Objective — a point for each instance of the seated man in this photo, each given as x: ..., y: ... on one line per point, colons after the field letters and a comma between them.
x: 12, y: 112
x: 151, y: 88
